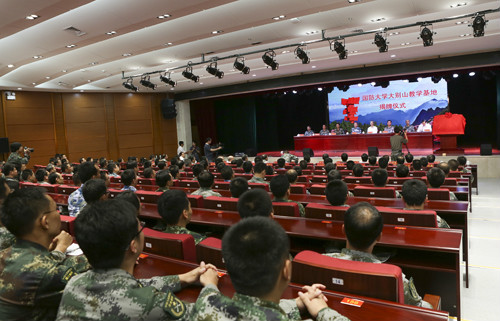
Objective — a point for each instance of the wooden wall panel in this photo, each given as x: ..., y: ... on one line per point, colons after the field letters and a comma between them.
x: 60, y: 127
x: 128, y: 127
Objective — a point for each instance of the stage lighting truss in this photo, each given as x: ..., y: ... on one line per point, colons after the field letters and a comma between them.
x: 381, y: 42
x: 188, y: 73
x: 426, y: 35
x: 268, y: 58
x: 212, y: 69
x: 129, y: 85
x: 239, y: 64
x: 339, y: 48
x: 478, y: 25
x: 166, y: 79
x: 300, y: 52
x: 145, y: 81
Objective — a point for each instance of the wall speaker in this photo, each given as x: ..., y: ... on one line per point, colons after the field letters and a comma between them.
x: 485, y: 149
x: 4, y: 145
x: 168, y: 108
x: 308, y: 151
x: 373, y: 151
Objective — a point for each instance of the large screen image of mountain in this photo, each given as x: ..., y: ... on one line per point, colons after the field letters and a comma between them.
x: 401, y: 100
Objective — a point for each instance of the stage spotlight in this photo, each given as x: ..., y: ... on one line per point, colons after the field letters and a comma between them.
x: 435, y: 79
x: 384, y: 83
x: 146, y: 83
x: 268, y: 58
x: 188, y: 73
x: 339, y: 48
x: 381, y: 43
x: 478, y: 25
x: 455, y: 75
x: 472, y: 74
x: 239, y: 64
x: 344, y: 88
x: 166, y: 79
x: 129, y: 85
x: 212, y: 69
x: 302, y: 55
x: 426, y: 35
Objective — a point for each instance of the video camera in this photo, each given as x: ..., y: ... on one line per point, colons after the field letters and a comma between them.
x: 28, y: 149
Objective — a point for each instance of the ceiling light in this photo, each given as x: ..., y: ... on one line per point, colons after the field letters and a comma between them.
x: 461, y: 4
x: 254, y: 75
x: 378, y: 20
x: 394, y: 33
x: 478, y: 25
x: 406, y: 80
x: 164, y: 16
x: 285, y: 51
x: 294, y: 91
x: 168, y: 44
x: 70, y: 46
x: 465, y: 35
x: 188, y: 73
x: 64, y: 70
x: 279, y: 17
x: 48, y: 77
x: 129, y: 85
x: 405, y: 43
x: 37, y: 57
x: 354, y: 51
x: 126, y: 54
x: 212, y: 69
x: 393, y: 56
x: 239, y: 64
x: 360, y: 84
x: 166, y: 79
x: 426, y: 35
x: 320, y: 89
x: 312, y: 32
x: 216, y: 32
x: 472, y: 73
x: 339, y: 48
x: 313, y: 67
x: 419, y: 79
x: 93, y: 63
x: 435, y: 79
x: 461, y: 22
x: 353, y: 1
x: 110, y: 33
x: 268, y: 58
x: 32, y: 17
x: 147, y: 83
x: 302, y: 55
x: 381, y: 43
x: 455, y: 75
x: 10, y: 66
x: 33, y: 83
x: 373, y: 83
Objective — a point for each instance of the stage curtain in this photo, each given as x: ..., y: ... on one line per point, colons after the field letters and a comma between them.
x: 203, y: 117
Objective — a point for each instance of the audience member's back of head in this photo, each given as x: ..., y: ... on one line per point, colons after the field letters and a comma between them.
x: 40, y: 175
x: 336, y: 192
x: 329, y: 160
x: 227, y: 173
x: 281, y: 163
x: 424, y: 161
x: 8, y: 168
x: 462, y: 160
x: 255, y: 202
x: 344, y: 157
x: 453, y: 163
x: 128, y: 177
x: 239, y: 162
x: 333, y: 175
x: 162, y: 165
x: 206, y: 179
x: 259, y: 167
x: 132, y: 165
x: 86, y: 171
x: 349, y: 165
x: 379, y: 177
x: 435, y: 177
x: 148, y: 172
x: 307, y: 158
x: 279, y: 186
x: 402, y: 171
x: 93, y: 190
x: 292, y: 176
x: 363, y: 225
x: 174, y: 171
x: 162, y: 178
x: 298, y: 169
x: 269, y: 170
x: 383, y: 162
x: 329, y: 167
x: 220, y: 166
x: 131, y: 198
x: 197, y: 169
x: 53, y: 177
x: 171, y: 204
x: 254, y: 251
x: 414, y: 192
x: 417, y: 165
x: 358, y: 170
x: 400, y: 159
x: 372, y: 160
x: 409, y: 158
x: 26, y: 174
x: 431, y: 158
x: 247, y: 167
x: 238, y: 186
x: 364, y: 157
x: 104, y: 231
x: 444, y: 167
x: 303, y: 164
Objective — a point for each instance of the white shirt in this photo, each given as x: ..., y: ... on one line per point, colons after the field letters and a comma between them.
x: 424, y: 128
x: 372, y: 130
x: 180, y: 149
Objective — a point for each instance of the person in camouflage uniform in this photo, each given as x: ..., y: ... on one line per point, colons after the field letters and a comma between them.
x: 33, y: 278
x: 338, y: 130
x: 206, y: 180
x: 289, y: 157
x: 175, y: 210
x: 15, y: 156
x: 259, y: 173
x: 260, y: 273
x: 409, y: 128
x: 6, y: 237
x: 324, y: 131
x: 111, y: 236
x: 365, y: 217
x: 280, y: 187
x: 309, y: 131
x: 163, y: 180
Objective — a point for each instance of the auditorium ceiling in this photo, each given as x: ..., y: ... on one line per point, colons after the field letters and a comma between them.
x: 87, y: 45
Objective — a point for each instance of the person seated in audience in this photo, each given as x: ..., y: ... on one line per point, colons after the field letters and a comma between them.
x: 424, y: 127
x: 389, y: 128
x: 400, y: 159
x: 238, y: 186
x: 380, y: 177
x: 280, y: 187
x: 444, y: 167
x: 453, y: 163
x: 288, y: 157
x: 148, y: 173
x: 298, y: 169
x: 355, y: 129
x: 336, y: 192
x: 330, y: 166
x: 324, y: 131
x: 435, y: 178
x: 292, y: 176
x: 206, y: 180
x: 255, y: 202
x: 55, y: 179
x: 269, y: 170
x: 309, y: 131
x: 409, y: 158
x: 103, y: 163
x: 10, y: 173
x: 247, y: 167
x: 363, y: 226
x: 28, y: 176
x: 227, y: 173
x: 257, y: 159
x: 6, y: 237
x: 329, y: 160
x: 197, y: 169
x: 105, y: 177
x: 67, y: 168
x: 383, y: 162
x: 94, y: 190
x: 281, y: 163
x: 260, y: 273
x: 42, y: 176
x: 462, y: 162
x: 303, y: 164
x: 349, y: 165
x: 424, y: 161
x: 414, y: 194
x: 174, y: 171
x: 364, y: 157
x: 372, y: 160
x: 259, y: 173
x: 344, y: 157
x: 34, y: 270
x: 129, y: 180
x: 402, y: 171
x: 239, y: 163
x: 338, y: 130
x: 132, y: 198
x: 358, y: 170
x: 132, y: 164
x: 163, y: 180
x: 175, y: 210
x: 76, y: 181
x: 113, y: 170
x: 162, y: 165
x: 409, y: 128
x: 372, y: 129
x: 50, y: 168
x: 111, y: 236
x: 431, y: 158
x: 333, y: 175
x: 417, y: 165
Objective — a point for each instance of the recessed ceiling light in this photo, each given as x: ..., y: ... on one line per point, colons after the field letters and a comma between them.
x: 312, y: 32
x: 110, y: 33
x: 455, y: 75
x: 32, y: 17
x: 48, y: 77
x: 465, y: 35
x: 405, y: 43
x: 285, y: 51
x: 10, y: 66
x: 373, y: 83
x: 216, y: 32
x: 126, y: 54
x: 172, y: 88
x: 81, y: 90
x: 472, y: 73
x: 164, y: 16
x: 393, y: 56
x: 394, y: 33
x: 19, y: 88
x: 201, y: 83
x: 378, y: 19
x: 279, y: 17
x: 313, y: 67
x: 88, y: 80
x: 461, y: 4
x: 320, y: 89
x: 461, y: 22
x: 93, y: 63
x: 168, y: 44
x: 354, y: 51
x: 64, y: 70
x: 360, y: 84
x: 352, y: 1
x: 419, y: 79
x: 406, y: 80
x: 70, y: 46
x: 254, y: 75
x: 37, y: 57
x: 33, y: 83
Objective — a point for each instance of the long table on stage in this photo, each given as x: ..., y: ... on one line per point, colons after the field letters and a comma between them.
x: 357, y: 142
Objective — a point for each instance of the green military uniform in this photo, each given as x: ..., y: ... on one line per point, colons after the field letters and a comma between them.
x: 162, y: 189
x: 6, y: 238
x: 441, y: 223
x: 258, y: 180
x: 411, y: 294
x: 114, y: 294
x: 205, y: 192
x: 33, y: 280
x: 302, y: 210
x: 17, y: 160
x: 213, y: 306
x: 324, y: 132
x: 339, y: 131
x: 175, y: 229
x: 289, y: 157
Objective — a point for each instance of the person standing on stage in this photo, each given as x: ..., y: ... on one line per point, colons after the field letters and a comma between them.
x: 424, y: 127
x: 408, y: 127
x: 372, y: 129
x: 356, y: 129
x: 309, y: 132
x: 209, y: 151
x: 389, y: 128
x: 397, y: 141
x: 324, y: 131
x: 337, y: 130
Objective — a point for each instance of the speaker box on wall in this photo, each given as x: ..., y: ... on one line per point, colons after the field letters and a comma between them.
x: 485, y: 149
x: 308, y: 151
x: 372, y: 151
x: 168, y: 108
x: 4, y: 145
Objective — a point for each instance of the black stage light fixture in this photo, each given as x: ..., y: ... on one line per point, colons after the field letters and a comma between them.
x: 339, y: 48
x: 268, y: 58
x: 381, y: 43
x: 239, y: 64
x: 129, y: 85
x: 147, y: 83
x: 302, y: 55
x: 426, y: 35
x: 344, y: 88
x: 478, y: 25
x: 212, y: 69
x: 188, y: 73
x: 166, y: 79
x: 384, y: 83
x: 435, y: 79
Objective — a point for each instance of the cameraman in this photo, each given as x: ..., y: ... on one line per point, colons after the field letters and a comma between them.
x: 210, y: 151
x: 397, y: 142
x: 19, y: 155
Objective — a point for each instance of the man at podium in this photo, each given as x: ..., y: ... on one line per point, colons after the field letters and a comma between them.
x: 424, y: 127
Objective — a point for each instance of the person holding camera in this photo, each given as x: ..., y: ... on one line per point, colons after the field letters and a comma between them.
x: 19, y: 155
x: 210, y: 151
x: 397, y: 141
